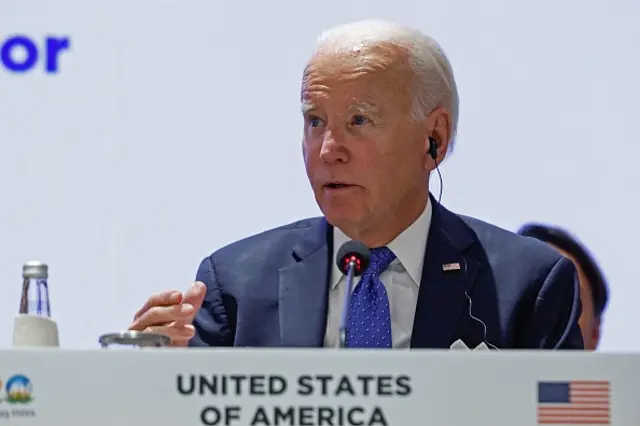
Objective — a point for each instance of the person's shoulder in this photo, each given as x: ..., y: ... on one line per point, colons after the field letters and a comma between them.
x: 510, y: 245
x: 269, y: 243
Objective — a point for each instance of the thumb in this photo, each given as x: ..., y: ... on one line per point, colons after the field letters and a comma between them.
x: 195, y: 296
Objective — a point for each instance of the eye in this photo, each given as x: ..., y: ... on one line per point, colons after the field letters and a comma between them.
x: 359, y: 120
x: 314, y: 121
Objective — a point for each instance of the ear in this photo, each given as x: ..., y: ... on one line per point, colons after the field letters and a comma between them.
x: 438, y: 127
x: 595, y: 333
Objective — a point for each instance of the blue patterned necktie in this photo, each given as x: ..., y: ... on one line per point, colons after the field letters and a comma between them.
x: 369, y: 312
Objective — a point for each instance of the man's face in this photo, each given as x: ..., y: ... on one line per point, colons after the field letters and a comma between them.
x: 366, y: 157
x: 589, y: 324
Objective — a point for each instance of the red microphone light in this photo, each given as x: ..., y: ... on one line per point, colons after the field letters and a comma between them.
x: 357, y: 263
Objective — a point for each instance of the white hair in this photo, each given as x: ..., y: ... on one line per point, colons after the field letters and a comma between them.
x: 434, y: 85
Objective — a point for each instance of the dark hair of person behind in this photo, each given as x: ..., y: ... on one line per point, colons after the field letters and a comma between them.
x: 570, y: 244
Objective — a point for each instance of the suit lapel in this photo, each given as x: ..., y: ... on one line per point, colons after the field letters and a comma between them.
x: 303, y: 289
x: 443, y: 293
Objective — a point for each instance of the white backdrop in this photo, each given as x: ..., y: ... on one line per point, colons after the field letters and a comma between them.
x: 173, y: 128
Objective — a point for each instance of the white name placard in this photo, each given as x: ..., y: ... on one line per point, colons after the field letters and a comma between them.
x: 287, y: 387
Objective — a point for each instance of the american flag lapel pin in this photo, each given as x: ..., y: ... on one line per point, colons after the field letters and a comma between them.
x: 455, y: 266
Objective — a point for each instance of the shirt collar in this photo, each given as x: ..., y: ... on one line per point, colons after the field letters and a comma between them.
x: 409, y: 247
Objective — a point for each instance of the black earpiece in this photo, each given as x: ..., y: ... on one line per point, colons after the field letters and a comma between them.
x: 433, y: 153
x: 433, y: 148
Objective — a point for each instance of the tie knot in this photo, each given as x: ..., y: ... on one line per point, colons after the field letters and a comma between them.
x: 381, y: 258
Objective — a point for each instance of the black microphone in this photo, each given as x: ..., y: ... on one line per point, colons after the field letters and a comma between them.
x: 352, y: 260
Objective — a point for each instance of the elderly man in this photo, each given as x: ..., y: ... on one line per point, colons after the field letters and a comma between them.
x: 380, y: 109
x: 594, y: 292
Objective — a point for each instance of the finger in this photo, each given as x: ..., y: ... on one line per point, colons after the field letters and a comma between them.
x: 195, y: 295
x: 177, y: 333
x: 166, y: 298
x: 159, y: 315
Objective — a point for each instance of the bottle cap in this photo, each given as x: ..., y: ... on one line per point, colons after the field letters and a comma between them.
x: 35, y: 269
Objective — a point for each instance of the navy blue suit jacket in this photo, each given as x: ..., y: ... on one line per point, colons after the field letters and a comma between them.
x: 271, y: 289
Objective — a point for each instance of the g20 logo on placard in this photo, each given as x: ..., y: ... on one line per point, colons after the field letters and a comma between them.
x: 21, y: 53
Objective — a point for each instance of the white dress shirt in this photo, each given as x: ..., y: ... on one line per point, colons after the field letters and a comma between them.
x: 401, y: 279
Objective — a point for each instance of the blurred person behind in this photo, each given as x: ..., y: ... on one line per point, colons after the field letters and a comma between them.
x: 594, y: 292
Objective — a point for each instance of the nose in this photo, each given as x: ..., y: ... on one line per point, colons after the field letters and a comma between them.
x: 333, y: 150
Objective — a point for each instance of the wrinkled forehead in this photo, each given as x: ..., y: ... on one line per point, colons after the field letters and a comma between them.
x: 368, y: 73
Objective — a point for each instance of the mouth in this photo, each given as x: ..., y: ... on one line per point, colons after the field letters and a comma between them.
x: 334, y: 186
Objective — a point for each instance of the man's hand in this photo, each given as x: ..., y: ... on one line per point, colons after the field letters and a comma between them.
x: 171, y: 313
